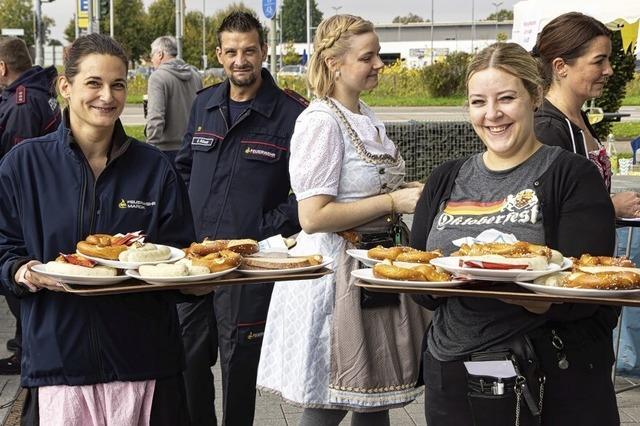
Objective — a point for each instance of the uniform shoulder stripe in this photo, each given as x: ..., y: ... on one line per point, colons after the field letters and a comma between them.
x: 296, y: 97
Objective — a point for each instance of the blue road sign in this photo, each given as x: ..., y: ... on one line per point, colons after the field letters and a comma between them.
x: 269, y: 8
x: 84, y: 5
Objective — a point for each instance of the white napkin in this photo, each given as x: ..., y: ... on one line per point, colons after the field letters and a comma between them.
x: 273, y: 247
x: 487, y: 236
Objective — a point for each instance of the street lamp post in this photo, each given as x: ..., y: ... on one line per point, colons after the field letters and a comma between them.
x: 473, y: 24
x: 432, y: 32
x: 336, y: 9
x: 496, y: 4
x: 204, y: 37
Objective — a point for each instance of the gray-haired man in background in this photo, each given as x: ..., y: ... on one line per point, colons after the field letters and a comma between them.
x: 171, y: 90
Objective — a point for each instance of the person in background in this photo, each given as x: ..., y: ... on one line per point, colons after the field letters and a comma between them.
x: 28, y: 108
x: 171, y: 89
x: 329, y: 346
x: 563, y: 351
x: 235, y: 158
x: 113, y: 359
x: 574, y: 51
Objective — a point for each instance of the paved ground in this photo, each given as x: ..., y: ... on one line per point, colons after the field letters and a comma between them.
x: 269, y: 410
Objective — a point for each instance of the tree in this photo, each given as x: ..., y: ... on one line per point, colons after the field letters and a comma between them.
x: 407, y: 19
x: 162, y: 18
x: 290, y: 56
x: 130, y: 27
x: 19, y: 14
x: 623, y: 64
x: 294, y: 19
x: 502, y: 15
x: 70, y: 30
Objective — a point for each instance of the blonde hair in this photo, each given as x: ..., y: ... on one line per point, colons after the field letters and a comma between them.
x: 332, y: 41
x: 513, y: 59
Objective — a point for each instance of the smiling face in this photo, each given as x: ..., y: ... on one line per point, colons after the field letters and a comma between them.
x: 588, y: 74
x: 360, y: 65
x: 98, y: 92
x: 241, y: 56
x: 501, y: 112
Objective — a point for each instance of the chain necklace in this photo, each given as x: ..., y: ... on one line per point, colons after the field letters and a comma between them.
x: 356, y: 141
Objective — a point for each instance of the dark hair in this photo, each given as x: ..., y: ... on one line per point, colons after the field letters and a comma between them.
x: 240, y: 22
x: 512, y: 59
x: 568, y: 37
x: 98, y: 44
x: 14, y: 53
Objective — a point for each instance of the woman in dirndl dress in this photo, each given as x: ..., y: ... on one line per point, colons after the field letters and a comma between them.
x: 329, y: 346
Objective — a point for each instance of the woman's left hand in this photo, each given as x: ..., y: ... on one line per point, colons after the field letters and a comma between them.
x: 530, y: 305
x: 626, y: 204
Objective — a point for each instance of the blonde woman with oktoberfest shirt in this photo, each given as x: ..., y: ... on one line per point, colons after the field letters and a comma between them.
x: 327, y: 347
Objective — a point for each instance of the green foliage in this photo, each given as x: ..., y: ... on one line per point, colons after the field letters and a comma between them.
x: 502, y: 37
x: 130, y: 27
x: 161, y: 18
x: 626, y: 130
x: 502, y: 15
x: 290, y: 56
x: 407, y: 19
x: 19, y: 14
x: 70, y: 31
x: 623, y: 64
x: 294, y: 19
x: 446, y: 78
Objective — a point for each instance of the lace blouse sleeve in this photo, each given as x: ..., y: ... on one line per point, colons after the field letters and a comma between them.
x: 316, y: 155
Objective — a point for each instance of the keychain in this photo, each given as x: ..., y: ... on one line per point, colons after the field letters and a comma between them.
x: 557, y: 343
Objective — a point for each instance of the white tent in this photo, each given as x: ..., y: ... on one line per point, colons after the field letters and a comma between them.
x: 530, y: 16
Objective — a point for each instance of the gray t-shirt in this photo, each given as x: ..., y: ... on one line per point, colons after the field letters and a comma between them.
x: 483, y: 199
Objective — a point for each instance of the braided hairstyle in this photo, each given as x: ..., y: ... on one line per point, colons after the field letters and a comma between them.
x: 332, y: 41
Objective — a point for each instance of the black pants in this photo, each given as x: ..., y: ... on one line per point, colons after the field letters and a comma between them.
x: 167, y: 409
x: 582, y: 395
x: 236, y: 327
x: 14, y: 307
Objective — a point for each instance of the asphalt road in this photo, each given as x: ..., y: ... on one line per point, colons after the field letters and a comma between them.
x: 132, y: 114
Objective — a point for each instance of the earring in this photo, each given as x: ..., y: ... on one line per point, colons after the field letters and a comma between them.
x: 337, y: 74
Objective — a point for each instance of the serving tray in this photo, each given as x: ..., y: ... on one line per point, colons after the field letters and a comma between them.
x: 501, y: 290
x: 234, y: 278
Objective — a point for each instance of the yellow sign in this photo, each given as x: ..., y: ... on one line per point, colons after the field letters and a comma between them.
x: 628, y: 31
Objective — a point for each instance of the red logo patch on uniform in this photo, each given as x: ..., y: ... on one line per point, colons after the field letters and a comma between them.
x: 21, y: 95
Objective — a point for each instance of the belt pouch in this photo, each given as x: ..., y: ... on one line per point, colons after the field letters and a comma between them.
x: 374, y: 299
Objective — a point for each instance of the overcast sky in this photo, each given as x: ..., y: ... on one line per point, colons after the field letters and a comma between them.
x: 378, y: 11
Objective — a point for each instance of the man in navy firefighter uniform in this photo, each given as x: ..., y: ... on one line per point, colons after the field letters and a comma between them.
x: 234, y: 158
x: 28, y: 108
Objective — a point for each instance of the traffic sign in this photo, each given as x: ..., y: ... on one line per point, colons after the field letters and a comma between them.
x: 269, y: 8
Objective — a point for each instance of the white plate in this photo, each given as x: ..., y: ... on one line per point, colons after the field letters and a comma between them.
x: 267, y: 272
x: 452, y: 264
x: 362, y: 256
x: 134, y: 273
x: 367, y: 275
x: 78, y: 279
x: 176, y: 254
x: 583, y: 292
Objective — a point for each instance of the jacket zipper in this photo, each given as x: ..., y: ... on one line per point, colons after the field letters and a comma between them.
x: 81, y: 205
x: 233, y: 167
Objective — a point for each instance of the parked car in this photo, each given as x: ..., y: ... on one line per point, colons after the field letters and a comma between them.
x: 145, y: 72
x: 292, y: 71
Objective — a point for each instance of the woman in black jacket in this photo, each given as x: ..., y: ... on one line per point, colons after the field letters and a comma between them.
x: 564, y: 350
x: 113, y: 359
x: 573, y: 50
